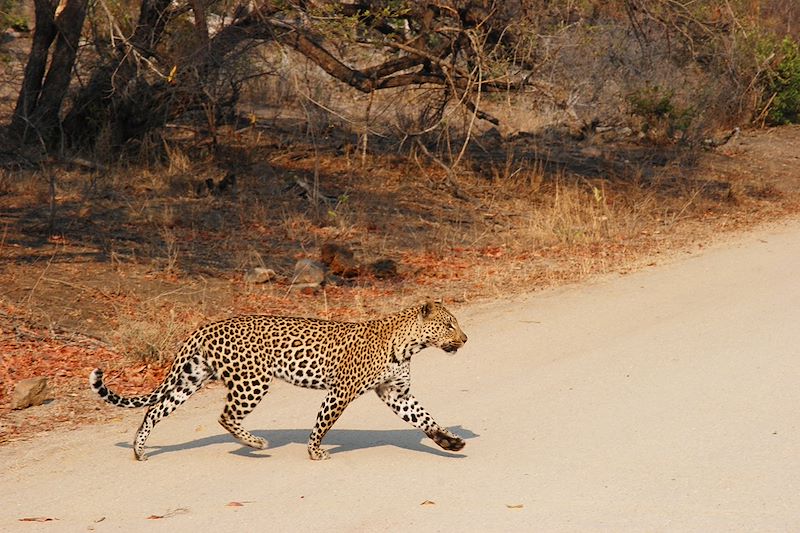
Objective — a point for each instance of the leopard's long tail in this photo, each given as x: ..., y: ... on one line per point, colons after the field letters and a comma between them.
x: 96, y: 382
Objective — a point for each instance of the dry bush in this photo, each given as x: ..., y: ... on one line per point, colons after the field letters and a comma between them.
x: 145, y: 341
x: 153, y: 331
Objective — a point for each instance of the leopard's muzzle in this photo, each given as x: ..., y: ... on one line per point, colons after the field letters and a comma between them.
x: 453, y: 345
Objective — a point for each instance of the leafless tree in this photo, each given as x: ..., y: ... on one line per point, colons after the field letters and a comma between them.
x: 441, y: 44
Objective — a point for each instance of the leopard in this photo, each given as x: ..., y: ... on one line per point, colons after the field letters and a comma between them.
x: 346, y: 359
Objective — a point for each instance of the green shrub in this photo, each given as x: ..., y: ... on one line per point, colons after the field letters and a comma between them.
x: 783, y: 86
x: 659, y: 111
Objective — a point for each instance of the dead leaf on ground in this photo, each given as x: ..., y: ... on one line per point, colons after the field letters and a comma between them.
x: 169, y: 514
x: 238, y: 504
x: 515, y: 506
x: 428, y: 502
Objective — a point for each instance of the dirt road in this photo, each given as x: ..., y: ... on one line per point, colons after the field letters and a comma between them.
x: 662, y: 400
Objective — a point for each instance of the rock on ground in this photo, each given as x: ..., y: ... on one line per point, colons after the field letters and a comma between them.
x: 339, y: 259
x: 308, y: 273
x: 383, y: 269
x: 30, y: 392
x: 259, y: 275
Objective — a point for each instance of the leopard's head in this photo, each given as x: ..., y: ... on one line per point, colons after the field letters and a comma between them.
x: 440, y: 328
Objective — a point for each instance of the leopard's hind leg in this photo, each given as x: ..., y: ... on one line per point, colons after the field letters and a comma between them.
x: 193, y: 373
x: 244, y: 394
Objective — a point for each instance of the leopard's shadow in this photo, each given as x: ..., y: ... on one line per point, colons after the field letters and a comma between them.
x: 336, y: 441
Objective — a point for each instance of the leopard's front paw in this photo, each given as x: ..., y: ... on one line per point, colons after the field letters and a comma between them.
x: 318, y: 454
x: 447, y: 440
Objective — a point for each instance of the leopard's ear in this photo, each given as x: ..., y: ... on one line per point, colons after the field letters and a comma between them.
x: 428, y: 307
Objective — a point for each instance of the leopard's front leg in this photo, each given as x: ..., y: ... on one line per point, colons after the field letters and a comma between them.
x: 396, y: 395
x: 332, y: 408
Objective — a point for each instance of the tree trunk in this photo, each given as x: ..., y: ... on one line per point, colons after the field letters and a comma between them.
x: 39, y: 102
x: 70, y: 24
x: 43, y: 35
